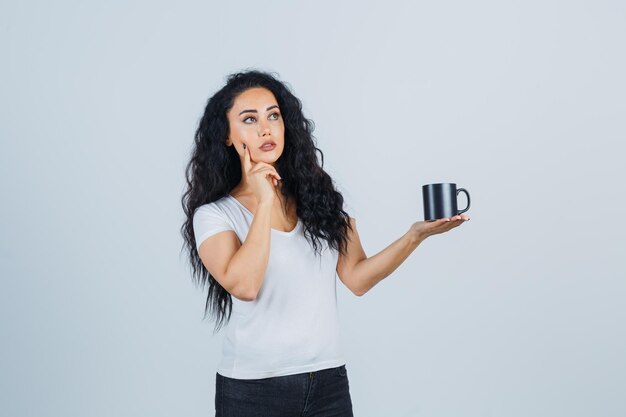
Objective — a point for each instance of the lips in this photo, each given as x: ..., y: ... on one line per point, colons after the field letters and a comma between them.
x: 268, y: 143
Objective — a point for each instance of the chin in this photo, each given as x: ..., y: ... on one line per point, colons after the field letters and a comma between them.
x: 271, y: 156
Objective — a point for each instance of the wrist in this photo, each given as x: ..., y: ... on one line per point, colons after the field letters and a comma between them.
x: 415, y: 237
x: 417, y: 234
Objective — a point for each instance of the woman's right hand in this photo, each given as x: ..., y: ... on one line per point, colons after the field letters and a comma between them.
x: 261, y: 176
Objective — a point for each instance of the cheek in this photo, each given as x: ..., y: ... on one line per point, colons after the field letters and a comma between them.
x: 280, y: 129
x: 246, y: 132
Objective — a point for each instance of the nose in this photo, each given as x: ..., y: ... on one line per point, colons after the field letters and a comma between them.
x: 263, y: 129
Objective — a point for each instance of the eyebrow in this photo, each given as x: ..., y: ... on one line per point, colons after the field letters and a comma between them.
x: 254, y: 111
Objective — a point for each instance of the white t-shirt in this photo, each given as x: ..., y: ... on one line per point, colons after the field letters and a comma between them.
x: 292, y: 326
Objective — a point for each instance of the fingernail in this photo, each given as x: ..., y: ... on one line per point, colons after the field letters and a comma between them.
x: 244, y: 146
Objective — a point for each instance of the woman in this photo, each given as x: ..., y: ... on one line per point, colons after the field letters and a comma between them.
x: 267, y: 231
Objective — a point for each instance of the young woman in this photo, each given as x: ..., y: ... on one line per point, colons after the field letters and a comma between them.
x: 267, y: 232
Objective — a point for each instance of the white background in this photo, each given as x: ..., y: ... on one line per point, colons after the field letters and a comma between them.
x: 519, y: 312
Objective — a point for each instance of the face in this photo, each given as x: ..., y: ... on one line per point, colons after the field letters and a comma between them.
x: 254, y: 119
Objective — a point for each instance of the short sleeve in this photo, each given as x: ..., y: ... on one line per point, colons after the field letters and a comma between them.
x: 208, y: 220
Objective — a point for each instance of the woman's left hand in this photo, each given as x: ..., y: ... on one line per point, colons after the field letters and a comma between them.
x: 422, y: 230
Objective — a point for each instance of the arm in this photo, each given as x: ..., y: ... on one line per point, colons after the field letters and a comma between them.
x: 369, y: 272
x: 249, y: 264
x: 360, y: 273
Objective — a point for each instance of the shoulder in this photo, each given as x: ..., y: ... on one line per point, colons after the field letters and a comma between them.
x: 216, y: 205
x: 217, y: 208
x: 209, y: 219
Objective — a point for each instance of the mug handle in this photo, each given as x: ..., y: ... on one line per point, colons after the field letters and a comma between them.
x: 468, y: 200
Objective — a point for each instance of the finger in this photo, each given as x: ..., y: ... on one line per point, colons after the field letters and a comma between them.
x: 246, y: 157
x: 439, y: 225
x: 262, y: 166
x: 263, y: 169
x: 446, y: 224
x: 266, y: 172
x: 272, y: 177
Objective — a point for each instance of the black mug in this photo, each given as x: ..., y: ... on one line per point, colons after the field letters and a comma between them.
x: 440, y: 200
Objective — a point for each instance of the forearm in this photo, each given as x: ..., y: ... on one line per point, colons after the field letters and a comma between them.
x: 250, y: 262
x: 370, y: 271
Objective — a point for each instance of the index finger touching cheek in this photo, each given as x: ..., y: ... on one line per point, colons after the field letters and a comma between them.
x: 246, y: 155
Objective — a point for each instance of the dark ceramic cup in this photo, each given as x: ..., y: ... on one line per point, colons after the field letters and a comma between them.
x: 440, y: 200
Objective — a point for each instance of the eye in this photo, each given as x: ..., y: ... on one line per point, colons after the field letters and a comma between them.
x: 273, y: 114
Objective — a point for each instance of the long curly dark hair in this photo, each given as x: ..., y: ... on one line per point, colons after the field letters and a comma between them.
x: 215, y: 169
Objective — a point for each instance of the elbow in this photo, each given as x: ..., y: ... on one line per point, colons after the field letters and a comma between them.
x: 246, y: 296
x: 244, y: 286
x: 359, y: 292
x: 249, y: 295
x: 354, y: 287
x: 245, y: 292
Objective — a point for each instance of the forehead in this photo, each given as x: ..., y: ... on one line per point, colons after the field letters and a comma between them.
x: 257, y: 98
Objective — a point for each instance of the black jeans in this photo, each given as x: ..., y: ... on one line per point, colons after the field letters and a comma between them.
x: 322, y: 393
